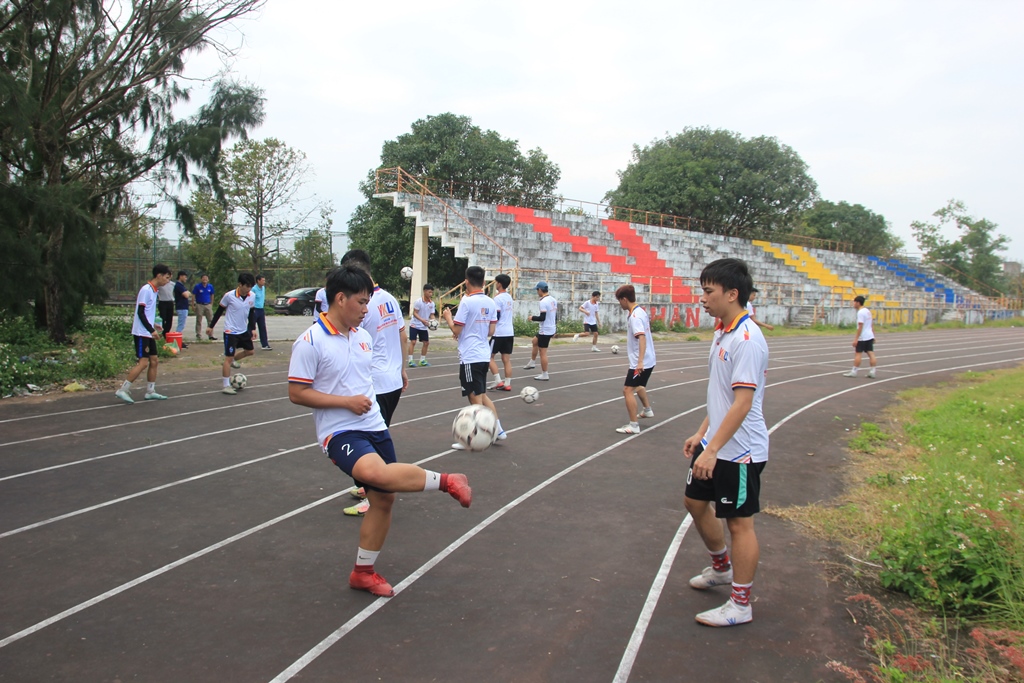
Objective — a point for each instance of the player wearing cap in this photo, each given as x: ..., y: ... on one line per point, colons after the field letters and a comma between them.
x: 730, y: 449
x: 471, y: 326
x: 504, y: 336
x: 863, y: 340
x: 640, y: 350
x: 546, y: 330
x: 331, y: 372
x: 237, y: 307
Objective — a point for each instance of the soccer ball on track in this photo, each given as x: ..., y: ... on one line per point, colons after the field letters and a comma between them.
x: 529, y: 394
x: 615, y: 349
x: 406, y: 273
x: 238, y: 381
x: 475, y: 427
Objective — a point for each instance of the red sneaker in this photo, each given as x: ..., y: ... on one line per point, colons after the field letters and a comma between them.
x: 502, y: 387
x: 458, y: 488
x: 372, y: 583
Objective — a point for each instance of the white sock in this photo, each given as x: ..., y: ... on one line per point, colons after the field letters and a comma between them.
x: 410, y: 357
x: 127, y: 386
x: 150, y: 387
x: 854, y: 370
x: 497, y: 377
x: 433, y: 481
x: 634, y: 425
x: 227, y: 381
x: 365, y: 557
x: 497, y: 425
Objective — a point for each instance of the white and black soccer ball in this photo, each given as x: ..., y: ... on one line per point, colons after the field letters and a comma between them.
x: 432, y: 324
x: 615, y: 349
x: 238, y: 381
x: 529, y: 394
x: 475, y: 427
x: 406, y: 273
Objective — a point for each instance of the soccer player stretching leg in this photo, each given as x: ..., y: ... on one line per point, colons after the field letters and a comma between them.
x: 331, y: 372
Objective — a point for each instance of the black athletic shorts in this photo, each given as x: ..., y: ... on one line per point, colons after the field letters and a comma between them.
x: 234, y: 342
x: 589, y: 328
x: 388, y: 402
x: 734, y: 487
x: 635, y: 380
x: 866, y: 346
x: 502, y: 345
x: 543, y: 340
x: 473, y: 377
x: 345, y: 448
x: 144, y: 346
x: 416, y: 333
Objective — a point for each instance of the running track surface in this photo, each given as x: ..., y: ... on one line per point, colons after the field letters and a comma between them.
x: 202, y: 538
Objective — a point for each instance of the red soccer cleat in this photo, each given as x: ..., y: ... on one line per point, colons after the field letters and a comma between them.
x: 458, y: 488
x: 502, y: 387
x: 372, y: 583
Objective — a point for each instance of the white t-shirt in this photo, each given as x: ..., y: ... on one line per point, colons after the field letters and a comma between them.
x: 640, y: 325
x: 424, y: 309
x: 338, y: 364
x: 738, y: 358
x: 236, y: 311
x: 750, y: 309
x: 864, y: 318
x: 320, y: 300
x: 147, y: 297
x: 590, y: 310
x: 504, y: 327
x: 475, y: 315
x: 548, y: 305
x: 385, y: 323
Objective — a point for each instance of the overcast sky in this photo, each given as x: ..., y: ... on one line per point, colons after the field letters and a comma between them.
x: 899, y: 106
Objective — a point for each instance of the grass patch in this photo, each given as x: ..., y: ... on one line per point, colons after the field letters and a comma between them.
x: 936, y: 508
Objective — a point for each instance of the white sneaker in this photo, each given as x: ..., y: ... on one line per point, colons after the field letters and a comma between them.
x: 709, y: 578
x: 228, y: 390
x: 729, y: 614
x: 628, y: 429
x: 235, y: 364
x: 851, y: 373
x: 124, y: 396
x: 458, y: 446
x: 501, y: 436
x: 153, y: 396
x: 529, y: 365
x: 542, y: 377
x: 871, y: 375
x: 575, y: 337
x: 594, y: 349
x: 646, y: 412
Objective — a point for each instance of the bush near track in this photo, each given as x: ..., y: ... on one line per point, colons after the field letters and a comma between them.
x: 101, y: 351
x: 936, y: 507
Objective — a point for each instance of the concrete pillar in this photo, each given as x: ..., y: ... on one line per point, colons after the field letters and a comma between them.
x: 420, y: 252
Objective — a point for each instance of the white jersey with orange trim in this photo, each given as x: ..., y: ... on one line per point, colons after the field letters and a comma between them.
x: 147, y: 297
x: 639, y: 325
x: 385, y: 323
x: 341, y: 365
x: 236, y: 311
x: 476, y: 313
x: 738, y: 360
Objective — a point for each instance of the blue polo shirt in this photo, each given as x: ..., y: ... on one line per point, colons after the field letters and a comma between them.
x: 203, y: 293
x: 261, y: 295
x: 180, y: 301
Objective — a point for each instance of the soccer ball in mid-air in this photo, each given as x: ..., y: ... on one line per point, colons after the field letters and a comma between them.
x: 238, y: 381
x: 406, y: 273
x: 615, y: 349
x: 432, y: 324
x: 529, y: 394
x: 475, y: 427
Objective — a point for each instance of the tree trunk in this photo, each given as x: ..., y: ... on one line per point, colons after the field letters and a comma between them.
x: 52, y: 288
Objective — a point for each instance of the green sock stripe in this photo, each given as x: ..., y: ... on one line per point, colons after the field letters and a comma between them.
x: 741, y: 495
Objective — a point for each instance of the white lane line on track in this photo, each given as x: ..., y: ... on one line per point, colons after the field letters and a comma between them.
x: 633, y: 647
x: 138, y: 494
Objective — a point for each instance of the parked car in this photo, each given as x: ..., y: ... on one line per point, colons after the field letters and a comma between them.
x: 297, y: 302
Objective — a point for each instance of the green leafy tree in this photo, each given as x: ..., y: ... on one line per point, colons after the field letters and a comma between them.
x: 972, y: 259
x: 732, y: 185
x: 212, y: 245
x: 263, y: 180
x: 313, y: 253
x: 89, y: 92
x: 463, y: 162
x: 867, y: 232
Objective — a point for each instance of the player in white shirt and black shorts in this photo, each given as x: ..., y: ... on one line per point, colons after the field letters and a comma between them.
x: 239, y: 310
x: 472, y: 325
x: 864, y: 339
x: 592, y: 317
x: 640, y: 351
x: 545, y: 331
x: 730, y: 448
x: 504, y: 336
x: 144, y: 334
x: 421, y: 312
x: 331, y: 371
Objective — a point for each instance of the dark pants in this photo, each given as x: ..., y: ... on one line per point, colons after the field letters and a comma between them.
x: 166, y: 311
x: 261, y: 325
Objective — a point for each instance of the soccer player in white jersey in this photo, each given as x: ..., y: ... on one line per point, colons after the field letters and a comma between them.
x: 471, y: 326
x: 545, y: 331
x: 384, y: 322
x: 592, y: 317
x: 729, y: 451
x: 750, y: 311
x: 640, y: 351
x: 421, y: 313
x: 238, y: 309
x: 504, y: 336
x: 320, y: 301
x: 331, y: 371
x: 864, y: 340
x: 145, y: 333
